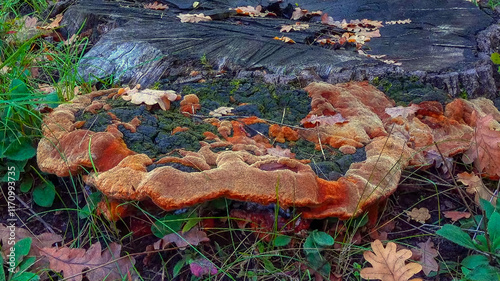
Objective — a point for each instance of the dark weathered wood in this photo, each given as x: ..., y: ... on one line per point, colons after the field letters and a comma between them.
x: 440, y: 45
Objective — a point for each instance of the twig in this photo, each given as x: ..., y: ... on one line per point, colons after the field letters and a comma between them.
x: 45, y: 224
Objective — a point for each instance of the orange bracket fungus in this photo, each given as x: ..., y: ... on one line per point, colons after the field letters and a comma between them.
x: 240, y: 166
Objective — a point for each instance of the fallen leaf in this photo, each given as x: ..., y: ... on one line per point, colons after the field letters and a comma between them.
x: 201, y: 267
x: 223, y: 110
x: 182, y: 240
x: 155, y: 6
x: 284, y: 39
x: 440, y: 161
x: 419, y: 215
x: 427, y: 256
x: 46, y: 88
x: 389, y: 264
x: 298, y: 13
x: 280, y: 152
x: 406, y: 21
x: 297, y: 26
x: 194, y: 17
x: 103, y: 265
x: 455, y: 215
x: 38, y: 242
x: 475, y: 186
x: 402, y: 111
x: 150, y: 97
x: 54, y: 24
x: 71, y: 40
x: 485, y: 151
x: 324, y: 120
x: 253, y: 11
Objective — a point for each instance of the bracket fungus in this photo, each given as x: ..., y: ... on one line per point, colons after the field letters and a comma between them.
x: 241, y: 166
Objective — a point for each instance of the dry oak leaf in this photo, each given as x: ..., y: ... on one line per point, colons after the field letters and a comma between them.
x: 297, y: 26
x: 55, y: 23
x: 485, y: 151
x: 103, y: 265
x: 37, y: 242
x: 182, y: 240
x: 194, y: 17
x: 253, y: 12
x: 150, y: 97
x: 406, y: 21
x: 389, y: 264
x: 427, y: 256
x: 456, y: 215
x: 323, y: 120
x: 285, y: 39
x: 155, y: 6
x: 475, y: 186
x: 419, y: 215
x: 402, y: 111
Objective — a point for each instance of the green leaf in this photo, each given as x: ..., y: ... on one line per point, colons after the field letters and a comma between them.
x: 483, y: 273
x: 481, y: 243
x: 494, y: 230
x: 487, y: 207
x: 25, y: 276
x: 322, y: 238
x: 190, y: 224
x: 168, y: 224
x: 21, y: 249
x: 282, y: 240
x: 52, y: 100
x: 310, y: 246
x: 2, y: 272
x: 495, y: 58
x: 18, y: 168
x: 44, y: 194
x: 26, y: 184
x: 319, y: 264
x: 19, y: 150
x: 92, y: 201
x: 18, y: 89
x: 456, y: 235
x: 475, y: 260
x: 27, y: 263
x: 268, y: 265
x: 178, y: 266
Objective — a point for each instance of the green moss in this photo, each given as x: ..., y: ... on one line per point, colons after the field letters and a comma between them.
x: 406, y: 90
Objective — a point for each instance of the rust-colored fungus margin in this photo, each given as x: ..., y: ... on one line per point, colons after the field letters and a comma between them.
x: 65, y: 150
x: 249, y: 173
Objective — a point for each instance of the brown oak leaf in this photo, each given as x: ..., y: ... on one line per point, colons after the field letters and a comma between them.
x: 485, y: 150
x: 155, y: 6
x: 406, y: 21
x: 324, y: 120
x: 285, y: 39
x: 456, y: 215
x: 37, y: 242
x: 181, y: 240
x: 297, y: 26
x: 402, y: 111
x: 426, y: 254
x: 194, y: 17
x: 103, y: 265
x: 253, y: 11
x: 280, y: 152
x: 419, y: 215
x: 475, y: 186
x: 389, y: 264
x: 54, y: 24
